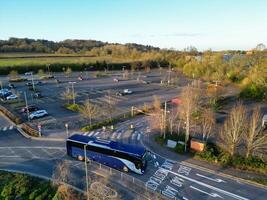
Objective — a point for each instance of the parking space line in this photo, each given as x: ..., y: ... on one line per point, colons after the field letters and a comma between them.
x: 11, y: 127
x: 5, y: 128
x: 96, y: 133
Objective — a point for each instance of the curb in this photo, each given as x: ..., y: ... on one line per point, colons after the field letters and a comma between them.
x: 211, y: 171
x: 28, y: 136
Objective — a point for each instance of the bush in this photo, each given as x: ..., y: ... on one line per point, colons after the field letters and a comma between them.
x: 21, y: 186
x: 179, y: 148
x: 29, y: 130
x: 253, y: 91
x: 159, y: 139
x: 10, y: 115
x: 73, y: 107
x: 105, y: 122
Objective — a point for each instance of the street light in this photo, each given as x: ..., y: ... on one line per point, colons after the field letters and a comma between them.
x: 73, y: 96
x: 27, y: 107
x: 86, y: 174
x: 33, y: 87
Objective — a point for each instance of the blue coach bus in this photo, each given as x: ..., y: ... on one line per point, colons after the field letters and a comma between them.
x: 114, y: 154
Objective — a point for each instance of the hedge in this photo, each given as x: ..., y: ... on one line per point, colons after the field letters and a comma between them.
x: 29, y: 130
x: 10, y: 115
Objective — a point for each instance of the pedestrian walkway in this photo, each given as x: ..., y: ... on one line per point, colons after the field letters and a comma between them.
x: 5, y: 128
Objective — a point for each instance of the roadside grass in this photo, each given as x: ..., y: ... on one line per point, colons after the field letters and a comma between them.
x: 73, y: 107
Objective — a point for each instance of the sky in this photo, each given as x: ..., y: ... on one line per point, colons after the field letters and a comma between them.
x: 205, y: 24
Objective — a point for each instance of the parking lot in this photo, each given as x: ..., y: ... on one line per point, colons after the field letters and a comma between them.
x: 101, y: 91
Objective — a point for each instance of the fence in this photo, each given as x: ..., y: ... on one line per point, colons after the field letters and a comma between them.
x: 130, y: 182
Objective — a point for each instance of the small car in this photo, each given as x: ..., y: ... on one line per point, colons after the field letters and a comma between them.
x: 11, y: 86
x: 29, y: 83
x: 127, y: 91
x: 31, y: 108
x: 11, y: 97
x: 38, y: 114
x: 37, y: 95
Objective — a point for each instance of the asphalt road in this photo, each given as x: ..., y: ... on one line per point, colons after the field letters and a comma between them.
x: 172, y: 179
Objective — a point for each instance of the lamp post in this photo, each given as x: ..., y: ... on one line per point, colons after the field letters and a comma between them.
x: 33, y: 87
x: 26, y: 102
x: 73, y: 94
x: 86, y: 174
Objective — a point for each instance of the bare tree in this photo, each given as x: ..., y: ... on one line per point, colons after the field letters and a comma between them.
x: 155, y: 118
x: 41, y: 73
x: 190, y: 101
x: 89, y: 111
x: 233, y: 128
x: 207, y: 122
x: 13, y: 75
x: 67, y: 95
x: 255, y: 138
x: 68, y: 72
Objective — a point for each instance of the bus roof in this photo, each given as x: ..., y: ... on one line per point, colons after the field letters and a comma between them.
x: 93, y: 141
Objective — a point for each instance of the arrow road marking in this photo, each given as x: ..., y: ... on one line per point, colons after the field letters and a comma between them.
x: 208, y: 186
x: 210, y: 194
x: 212, y: 179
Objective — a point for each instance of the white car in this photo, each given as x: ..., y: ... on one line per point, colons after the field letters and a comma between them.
x: 38, y: 114
x: 127, y: 91
x: 12, y: 97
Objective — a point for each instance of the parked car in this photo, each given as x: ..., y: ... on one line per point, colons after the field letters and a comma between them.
x: 29, y: 83
x: 38, y: 114
x: 146, y: 82
x: 80, y: 78
x: 119, y: 94
x: 37, y: 95
x: 11, y: 86
x: 28, y: 73
x: 38, y: 83
x: 11, y: 97
x: 116, y: 80
x: 5, y: 94
x: 31, y: 108
x: 127, y: 91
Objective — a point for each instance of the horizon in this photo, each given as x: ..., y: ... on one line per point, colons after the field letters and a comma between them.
x: 174, y: 25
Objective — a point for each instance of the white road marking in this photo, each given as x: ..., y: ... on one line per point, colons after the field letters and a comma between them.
x: 138, y: 136
x: 212, y: 179
x: 85, y: 133
x: 91, y: 133
x: 11, y: 127
x: 210, y: 194
x: 50, y: 154
x: 114, y: 135
x: 5, y: 128
x: 3, y: 156
x: 119, y: 135
x: 96, y: 133
x: 184, y: 170
x: 209, y: 186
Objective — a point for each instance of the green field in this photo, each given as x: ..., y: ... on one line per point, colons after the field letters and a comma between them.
x: 11, y: 60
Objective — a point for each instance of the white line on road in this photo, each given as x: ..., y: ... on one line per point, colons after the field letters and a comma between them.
x: 96, y: 133
x: 91, y: 133
x: 210, y: 194
x: 11, y: 127
x: 212, y: 179
x: 114, y: 135
x: 5, y: 128
x: 119, y: 135
x: 138, y: 136
x: 209, y: 186
x: 85, y: 133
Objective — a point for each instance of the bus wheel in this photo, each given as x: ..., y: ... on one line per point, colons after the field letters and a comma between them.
x: 125, y: 169
x: 80, y: 158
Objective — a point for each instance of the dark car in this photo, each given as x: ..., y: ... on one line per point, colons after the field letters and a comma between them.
x: 39, y: 83
x: 31, y: 108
